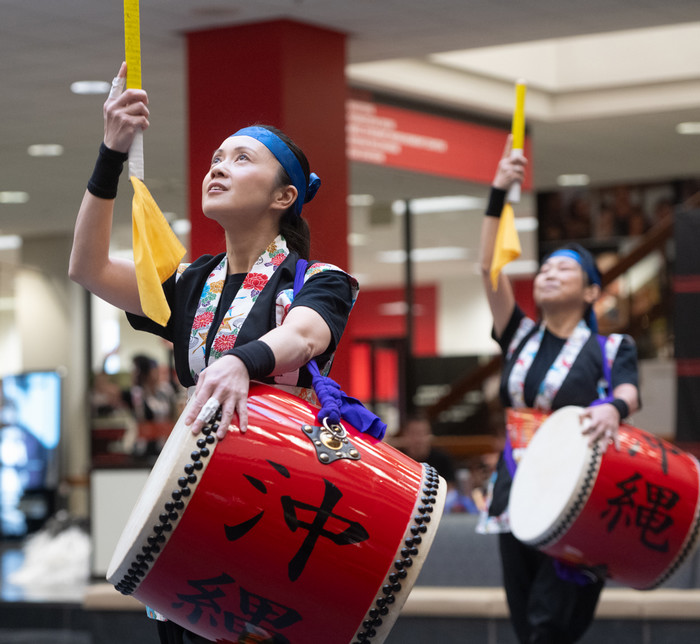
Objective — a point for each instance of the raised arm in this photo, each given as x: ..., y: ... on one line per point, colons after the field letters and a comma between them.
x: 112, y: 279
x: 511, y: 169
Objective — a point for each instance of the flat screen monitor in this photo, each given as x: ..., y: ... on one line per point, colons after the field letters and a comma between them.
x: 30, y: 431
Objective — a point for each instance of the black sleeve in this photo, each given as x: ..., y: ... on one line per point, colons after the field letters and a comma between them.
x: 624, y: 368
x: 512, y: 326
x: 143, y: 323
x: 330, y: 295
x: 182, y: 296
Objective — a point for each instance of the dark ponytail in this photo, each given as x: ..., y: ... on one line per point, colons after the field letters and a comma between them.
x: 293, y: 227
x: 295, y: 230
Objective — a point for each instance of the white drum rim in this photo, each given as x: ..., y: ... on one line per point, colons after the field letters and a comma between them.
x: 423, y: 523
x: 581, y: 488
x: 173, y: 480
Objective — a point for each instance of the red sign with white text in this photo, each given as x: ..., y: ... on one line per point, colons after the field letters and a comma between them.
x: 401, y: 138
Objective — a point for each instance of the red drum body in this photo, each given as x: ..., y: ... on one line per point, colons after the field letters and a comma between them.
x: 283, y: 534
x: 632, y: 512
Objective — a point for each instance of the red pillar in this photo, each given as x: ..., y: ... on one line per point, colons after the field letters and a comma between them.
x: 281, y: 73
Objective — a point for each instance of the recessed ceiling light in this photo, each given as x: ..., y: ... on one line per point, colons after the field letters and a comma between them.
x: 526, y: 224
x: 13, y: 196
x: 689, y: 127
x: 360, y: 200
x: 10, y: 242
x: 566, y: 180
x: 90, y: 87
x: 521, y: 267
x: 436, y: 254
x: 398, y: 308
x: 181, y: 226
x: 45, y: 150
x: 357, y: 239
x: 450, y: 203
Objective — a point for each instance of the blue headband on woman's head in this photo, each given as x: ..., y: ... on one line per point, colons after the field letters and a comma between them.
x: 588, y: 265
x: 288, y: 160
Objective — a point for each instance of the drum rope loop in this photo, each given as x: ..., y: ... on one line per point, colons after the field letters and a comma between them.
x: 328, y: 392
x: 336, y: 404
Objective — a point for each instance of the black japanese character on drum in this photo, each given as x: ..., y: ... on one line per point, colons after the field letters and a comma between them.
x: 652, y: 515
x: 253, y: 616
x: 348, y: 531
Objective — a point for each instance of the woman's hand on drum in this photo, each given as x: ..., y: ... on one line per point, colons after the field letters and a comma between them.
x: 125, y: 113
x: 224, y: 383
x: 600, y: 423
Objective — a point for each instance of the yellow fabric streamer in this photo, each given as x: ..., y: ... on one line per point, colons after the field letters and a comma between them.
x: 507, y: 246
x: 157, y: 252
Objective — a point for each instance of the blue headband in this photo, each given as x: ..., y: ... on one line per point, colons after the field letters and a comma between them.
x: 593, y: 277
x: 288, y: 161
x: 588, y: 268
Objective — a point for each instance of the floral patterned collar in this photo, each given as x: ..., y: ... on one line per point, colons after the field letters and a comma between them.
x: 227, y: 333
x: 555, y: 375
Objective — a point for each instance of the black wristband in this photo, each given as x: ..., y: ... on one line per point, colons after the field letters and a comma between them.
x: 257, y: 358
x: 497, y: 199
x: 105, y: 177
x: 622, y: 408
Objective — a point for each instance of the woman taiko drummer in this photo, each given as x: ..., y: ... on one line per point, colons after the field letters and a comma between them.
x: 233, y: 318
x: 549, y: 363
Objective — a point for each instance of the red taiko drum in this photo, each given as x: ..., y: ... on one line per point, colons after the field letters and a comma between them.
x: 632, y: 513
x: 290, y: 532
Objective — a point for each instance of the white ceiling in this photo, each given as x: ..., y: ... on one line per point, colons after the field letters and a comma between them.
x: 606, y: 106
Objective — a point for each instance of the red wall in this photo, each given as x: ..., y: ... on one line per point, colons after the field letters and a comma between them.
x: 370, y: 321
x: 281, y: 73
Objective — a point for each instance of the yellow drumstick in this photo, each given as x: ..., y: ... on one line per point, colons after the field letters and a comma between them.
x: 518, y: 131
x: 157, y: 250
x: 518, y: 125
x: 132, y: 50
x: 132, y: 44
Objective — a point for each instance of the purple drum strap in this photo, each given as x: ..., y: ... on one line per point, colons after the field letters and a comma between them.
x: 508, y: 457
x: 299, y: 275
x: 607, y: 374
x: 336, y: 404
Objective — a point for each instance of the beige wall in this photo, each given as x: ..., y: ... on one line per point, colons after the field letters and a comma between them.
x: 50, y: 327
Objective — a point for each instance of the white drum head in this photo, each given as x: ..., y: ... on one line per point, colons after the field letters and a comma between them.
x: 549, y: 478
x: 156, y: 492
